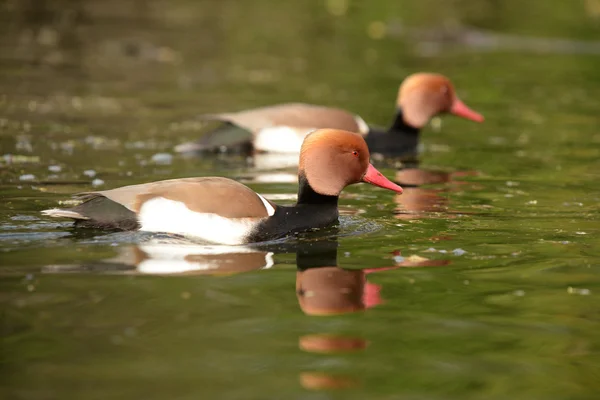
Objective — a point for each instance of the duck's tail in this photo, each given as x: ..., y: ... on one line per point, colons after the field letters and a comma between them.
x: 226, y: 138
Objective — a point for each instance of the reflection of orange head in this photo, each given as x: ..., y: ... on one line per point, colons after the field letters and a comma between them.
x: 419, y: 200
x: 322, y: 381
x: 330, y: 290
x: 333, y: 290
x: 418, y: 177
x: 325, y: 343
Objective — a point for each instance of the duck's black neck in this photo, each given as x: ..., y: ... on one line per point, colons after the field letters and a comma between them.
x: 399, y: 126
x: 399, y: 140
x: 312, y: 210
x: 307, y: 195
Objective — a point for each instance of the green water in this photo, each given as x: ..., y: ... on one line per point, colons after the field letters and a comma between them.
x: 495, y: 279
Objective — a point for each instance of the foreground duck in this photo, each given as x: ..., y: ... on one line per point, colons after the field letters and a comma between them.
x: 221, y: 210
x: 282, y: 128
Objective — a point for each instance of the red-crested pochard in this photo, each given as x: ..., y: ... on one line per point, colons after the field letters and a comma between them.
x: 221, y: 210
x: 282, y: 128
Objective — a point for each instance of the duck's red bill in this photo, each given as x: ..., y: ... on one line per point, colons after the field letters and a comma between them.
x: 460, y: 109
x: 376, y: 178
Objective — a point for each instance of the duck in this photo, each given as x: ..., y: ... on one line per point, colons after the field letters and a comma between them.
x: 281, y: 128
x: 224, y: 211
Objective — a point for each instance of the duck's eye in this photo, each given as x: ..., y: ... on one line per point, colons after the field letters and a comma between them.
x: 355, y: 153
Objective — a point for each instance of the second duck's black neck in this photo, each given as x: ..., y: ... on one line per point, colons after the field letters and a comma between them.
x: 399, y: 140
x: 400, y: 127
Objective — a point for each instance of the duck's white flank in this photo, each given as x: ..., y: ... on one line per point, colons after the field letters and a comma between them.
x: 170, y: 258
x: 164, y: 215
x: 363, y: 128
x: 271, y: 161
x: 280, y: 139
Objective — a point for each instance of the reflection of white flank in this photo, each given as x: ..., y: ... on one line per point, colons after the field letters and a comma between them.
x: 160, y: 267
x: 269, y: 260
x: 175, y: 251
x: 170, y: 258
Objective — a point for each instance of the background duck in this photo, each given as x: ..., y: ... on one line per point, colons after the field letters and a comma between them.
x: 281, y: 128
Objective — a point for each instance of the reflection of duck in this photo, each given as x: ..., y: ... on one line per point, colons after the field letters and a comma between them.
x: 416, y: 201
x: 281, y: 128
x: 325, y: 381
x: 221, y: 210
x: 159, y: 258
x: 191, y: 259
x: 323, y: 288
x: 330, y: 343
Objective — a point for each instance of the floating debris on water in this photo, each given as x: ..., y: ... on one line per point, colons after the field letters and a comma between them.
x: 27, y: 177
x: 519, y: 293
x: 581, y: 292
x: 458, y: 252
x: 130, y: 331
x: 89, y: 172
x: 531, y: 202
x: 97, y: 182
x: 54, y: 168
x: 24, y: 218
x: 162, y: 158
x: 20, y: 159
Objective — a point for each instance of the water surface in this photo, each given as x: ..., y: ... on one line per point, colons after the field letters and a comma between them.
x: 482, y: 287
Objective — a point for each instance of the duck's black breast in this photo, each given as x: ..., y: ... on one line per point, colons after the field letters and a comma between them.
x: 289, y: 220
x: 313, y: 210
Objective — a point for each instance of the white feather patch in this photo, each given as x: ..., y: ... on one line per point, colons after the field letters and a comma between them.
x: 270, y: 161
x: 170, y: 259
x: 280, y: 139
x: 163, y: 215
x: 270, y: 209
x: 363, y: 128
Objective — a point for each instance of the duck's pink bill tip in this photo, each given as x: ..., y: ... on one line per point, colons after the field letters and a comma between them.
x: 376, y: 178
x: 460, y: 109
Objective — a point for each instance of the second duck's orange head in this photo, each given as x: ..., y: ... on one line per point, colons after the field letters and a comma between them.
x: 424, y: 95
x: 332, y: 159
